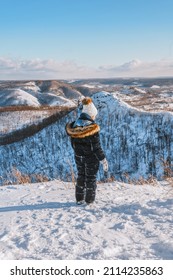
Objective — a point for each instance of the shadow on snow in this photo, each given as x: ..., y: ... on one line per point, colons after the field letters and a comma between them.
x: 47, y: 205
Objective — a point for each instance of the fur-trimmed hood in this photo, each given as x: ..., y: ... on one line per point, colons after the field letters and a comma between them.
x: 82, y: 131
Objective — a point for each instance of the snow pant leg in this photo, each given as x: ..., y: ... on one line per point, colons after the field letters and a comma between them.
x: 91, y: 177
x: 80, y: 185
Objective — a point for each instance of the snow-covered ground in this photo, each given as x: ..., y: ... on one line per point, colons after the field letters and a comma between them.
x: 42, y: 221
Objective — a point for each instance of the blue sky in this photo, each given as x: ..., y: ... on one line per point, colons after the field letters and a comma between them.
x: 85, y: 38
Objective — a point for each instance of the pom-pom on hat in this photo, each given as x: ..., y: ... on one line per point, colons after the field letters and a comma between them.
x: 89, y: 107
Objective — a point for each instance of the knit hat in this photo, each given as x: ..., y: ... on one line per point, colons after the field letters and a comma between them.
x: 89, y: 107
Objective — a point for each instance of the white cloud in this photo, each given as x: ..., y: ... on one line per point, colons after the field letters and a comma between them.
x: 52, y: 69
x: 138, y: 68
x: 41, y: 69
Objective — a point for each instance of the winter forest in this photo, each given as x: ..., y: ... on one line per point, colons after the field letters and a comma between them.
x: 138, y: 143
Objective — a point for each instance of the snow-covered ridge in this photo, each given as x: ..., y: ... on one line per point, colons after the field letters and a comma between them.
x: 111, y: 102
x: 136, y: 144
x: 11, y: 97
x: 145, y: 94
x: 31, y: 86
x: 37, y: 93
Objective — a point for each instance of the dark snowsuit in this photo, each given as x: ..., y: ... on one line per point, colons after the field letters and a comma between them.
x: 85, y: 141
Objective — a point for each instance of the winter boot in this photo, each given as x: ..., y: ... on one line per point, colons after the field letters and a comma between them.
x: 79, y: 194
x: 90, y: 196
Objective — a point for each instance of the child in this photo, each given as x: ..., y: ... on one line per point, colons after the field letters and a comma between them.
x: 85, y: 140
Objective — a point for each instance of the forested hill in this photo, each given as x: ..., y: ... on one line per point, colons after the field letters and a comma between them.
x: 136, y: 143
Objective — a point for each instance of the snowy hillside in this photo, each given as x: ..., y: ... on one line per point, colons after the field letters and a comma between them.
x: 37, y: 93
x: 127, y: 222
x: 18, y: 97
x: 15, y: 120
x: 136, y: 143
x: 147, y: 94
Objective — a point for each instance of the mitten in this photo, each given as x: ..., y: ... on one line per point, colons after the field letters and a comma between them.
x: 105, y: 164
